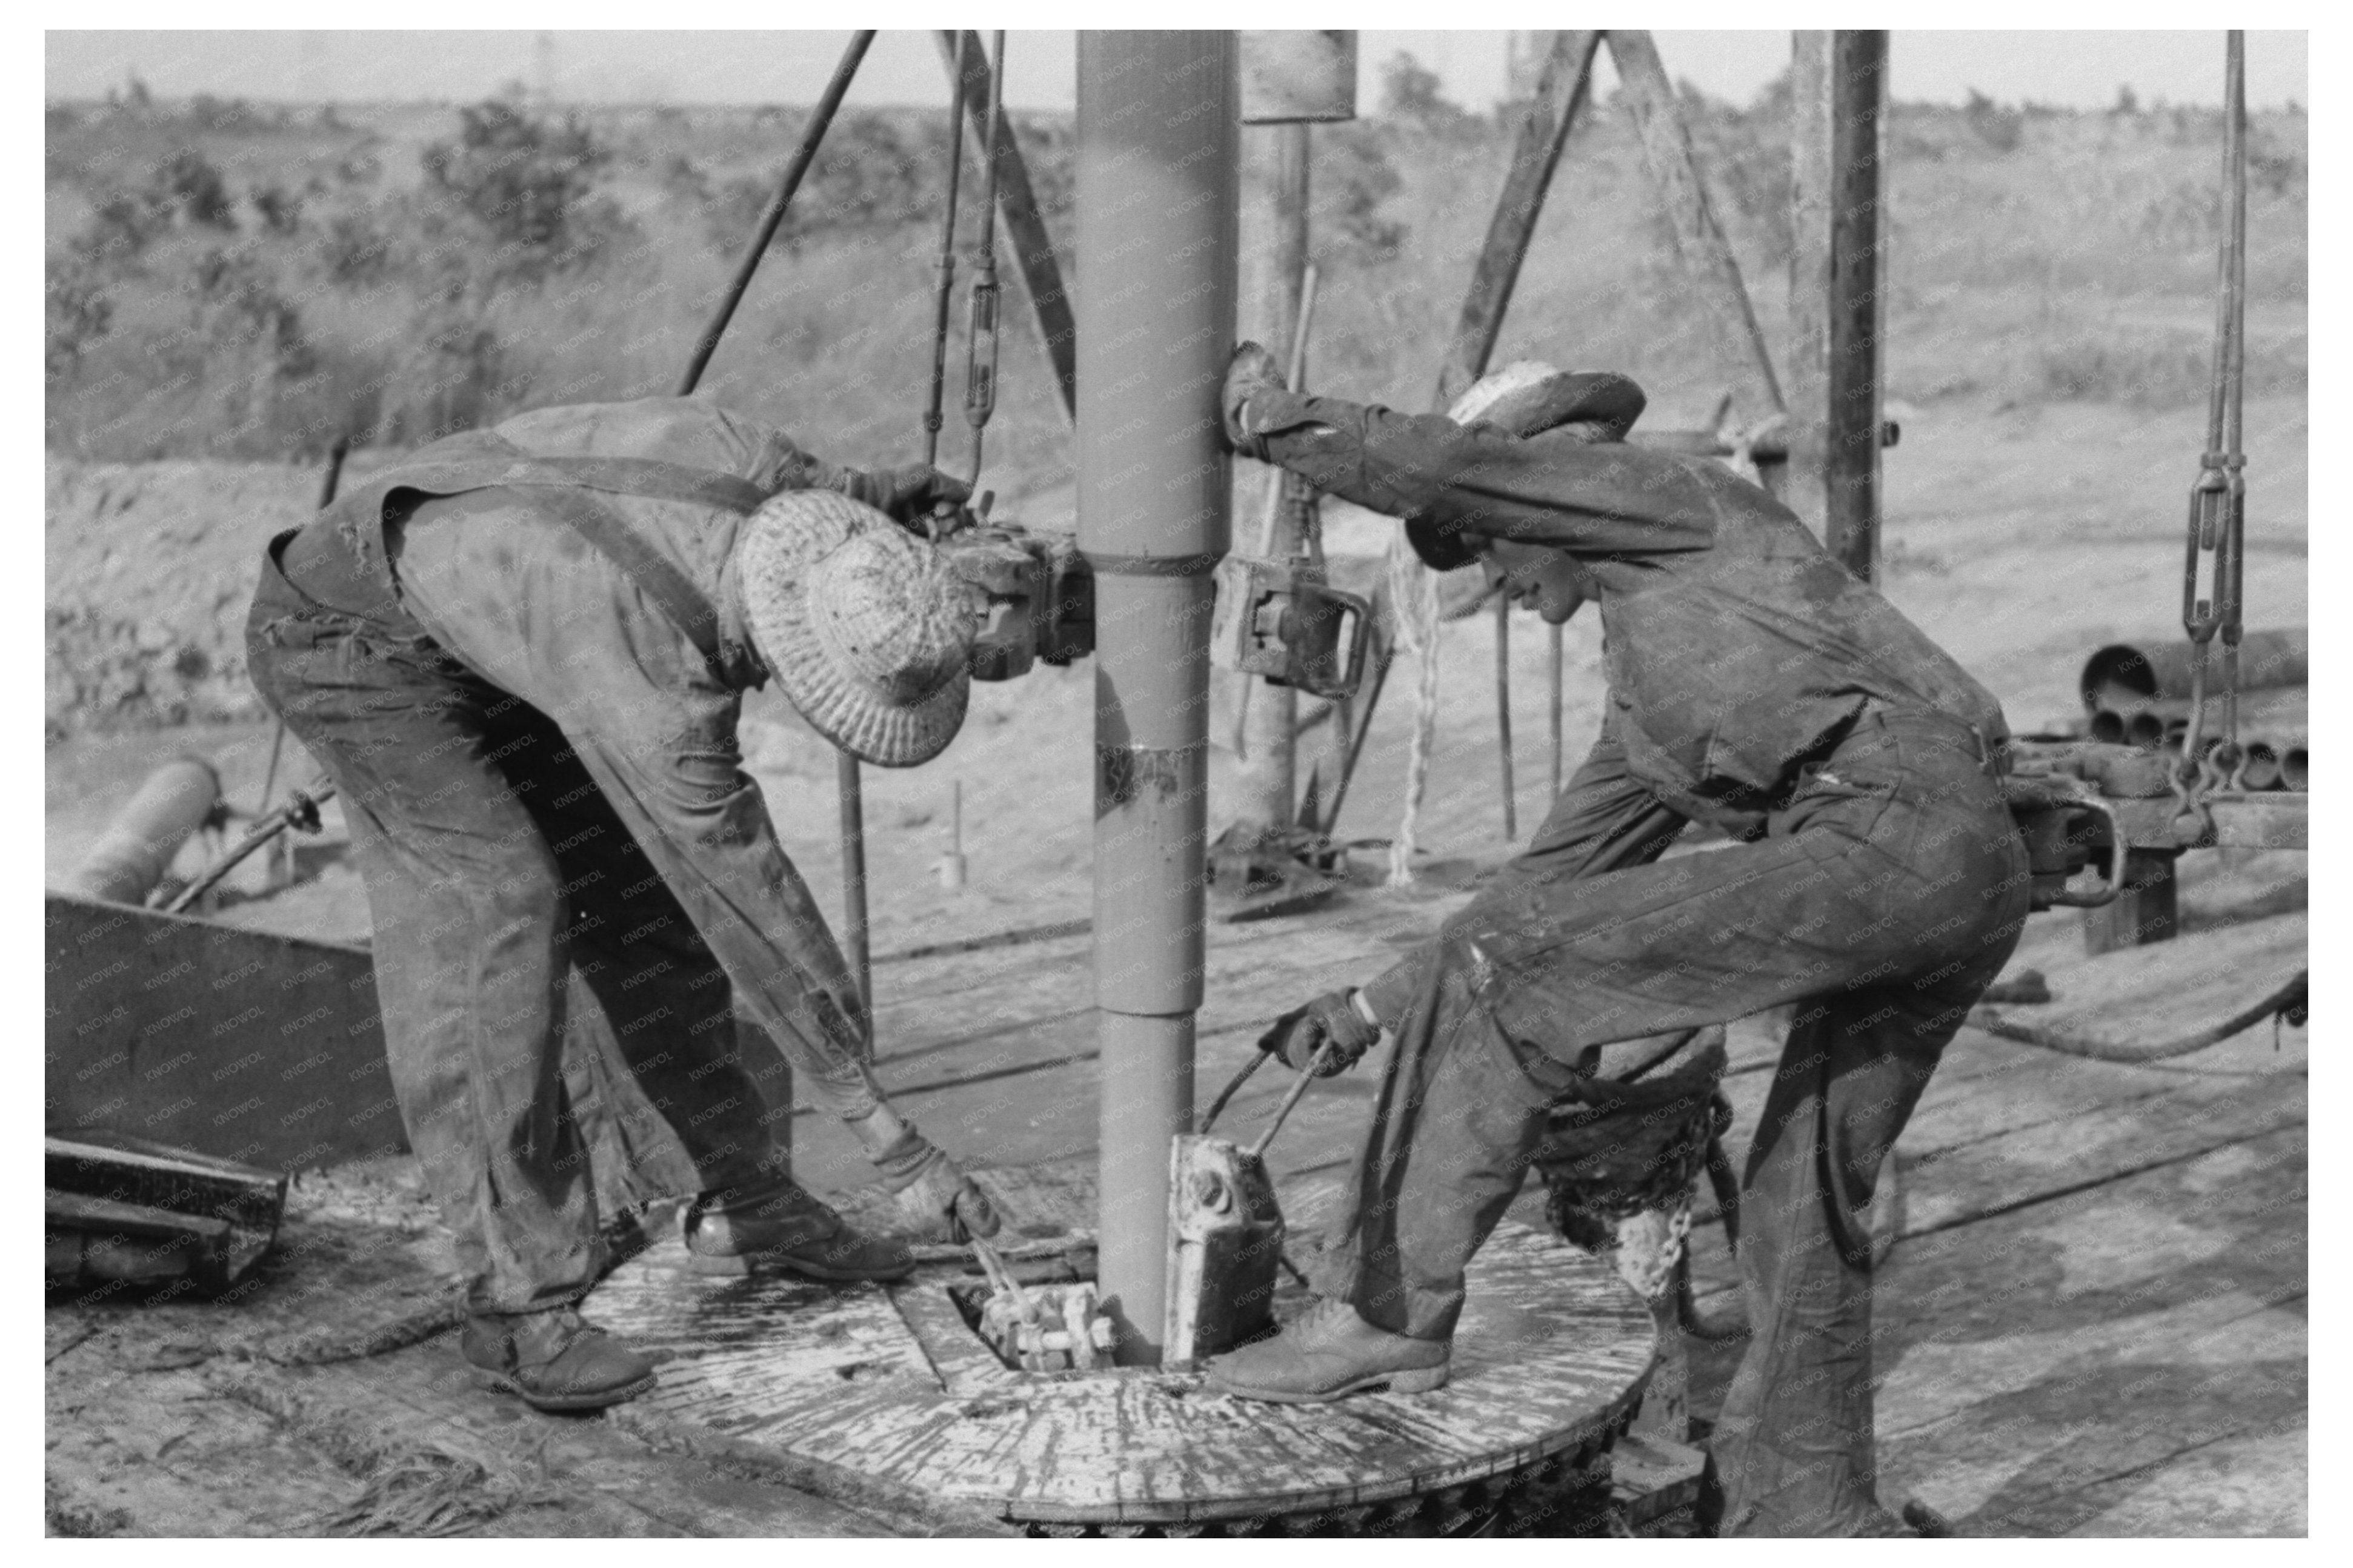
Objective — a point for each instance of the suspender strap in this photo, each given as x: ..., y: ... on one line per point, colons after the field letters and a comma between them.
x: 663, y: 582
x: 641, y: 476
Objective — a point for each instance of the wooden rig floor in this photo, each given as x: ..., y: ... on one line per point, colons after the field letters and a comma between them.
x: 2093, y: 1323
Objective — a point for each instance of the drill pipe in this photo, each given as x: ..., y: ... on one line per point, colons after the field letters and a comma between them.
x: 1158, y: 213
x: 2153, y: 669
x: 137, y: 847
x: 2124, y: 717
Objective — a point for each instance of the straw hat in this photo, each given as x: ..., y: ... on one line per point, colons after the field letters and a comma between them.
x: 1528, y: 397
x: 867, y: 628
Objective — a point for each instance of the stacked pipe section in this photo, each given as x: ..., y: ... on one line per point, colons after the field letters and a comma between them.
x: 1158, y: 144
x: 139, y: 845
x: 2139, y: 695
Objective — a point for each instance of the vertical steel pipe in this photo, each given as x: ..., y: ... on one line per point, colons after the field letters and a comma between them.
x: 1158, y: 138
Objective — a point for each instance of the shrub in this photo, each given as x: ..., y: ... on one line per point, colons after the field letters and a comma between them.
x: 2155, y: 373
x: 356, y: 250
x: 232, y: 114
x: 683, y: 182
x: 867, y: 177
x: 236, y: 304
x: 78, y: 312
x: 526, y: 182
x: 190, y: 182
x: 122, y: 228
x: 1999, y: 128
x: 279, y: 211
x: 2276, y: 167
x: 1409, y: 92
x: 1366, y: 179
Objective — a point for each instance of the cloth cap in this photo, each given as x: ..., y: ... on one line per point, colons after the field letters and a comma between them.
x: 1527, y: 398
x: 868, y: 628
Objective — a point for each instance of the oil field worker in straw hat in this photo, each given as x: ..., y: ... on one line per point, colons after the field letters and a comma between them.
x: 1876, y: 883
x: 519, y: 655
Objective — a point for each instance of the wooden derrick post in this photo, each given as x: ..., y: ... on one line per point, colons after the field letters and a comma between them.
x: 1699, y: 239
x: 1289, y: 81
x: 1804, y: 483
x: 1837, y: 304
x: 1560, y: 97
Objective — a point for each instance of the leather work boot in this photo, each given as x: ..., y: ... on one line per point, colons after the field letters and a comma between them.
x: 556, y: 1360
x: 733, y: 1231
x: 1325, y: 1353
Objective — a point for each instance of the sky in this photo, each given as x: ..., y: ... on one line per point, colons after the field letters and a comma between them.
x: 2076, y: 69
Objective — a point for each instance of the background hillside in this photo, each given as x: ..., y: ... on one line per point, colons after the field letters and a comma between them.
x: 232, y: 282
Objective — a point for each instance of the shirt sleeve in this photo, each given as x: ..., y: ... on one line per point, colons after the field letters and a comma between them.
x: 1602, y: 499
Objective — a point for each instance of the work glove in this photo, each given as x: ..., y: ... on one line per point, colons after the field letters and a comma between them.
x: 1251, y: 372
x: 1333, y: 1018
x: 907, y: 494
x: 939, y: 1200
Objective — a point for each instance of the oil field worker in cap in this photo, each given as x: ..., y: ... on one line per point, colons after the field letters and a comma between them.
x: 519, y: 654
x: 1876, y: 883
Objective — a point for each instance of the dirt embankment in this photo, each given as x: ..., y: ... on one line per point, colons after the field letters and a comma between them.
x: 150, y: 566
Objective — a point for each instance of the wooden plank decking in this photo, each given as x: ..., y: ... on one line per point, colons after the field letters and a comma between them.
x: 2093, y: 1323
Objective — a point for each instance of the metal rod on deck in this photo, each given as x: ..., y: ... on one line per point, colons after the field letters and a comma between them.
x: 1157, y: 144
x: 853, y: 879
x: 1552, y: 691
x: 1504, y: 712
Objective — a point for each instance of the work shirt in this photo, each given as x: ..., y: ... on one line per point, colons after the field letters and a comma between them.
x: 1736, y: 648
x: 523, y: 600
